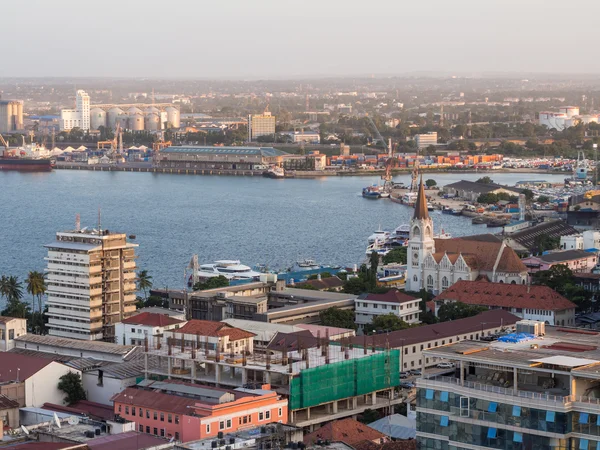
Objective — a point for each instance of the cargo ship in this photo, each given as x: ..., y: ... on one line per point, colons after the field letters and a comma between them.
x: 29, y: 158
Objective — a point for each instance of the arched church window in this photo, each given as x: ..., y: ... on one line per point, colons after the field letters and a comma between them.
x: 427, y: 232
x: 429, y: 283
x: 444, y: 283
x: 415, y: 279
x: 416, y: 231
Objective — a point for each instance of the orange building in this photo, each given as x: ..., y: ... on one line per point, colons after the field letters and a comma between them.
x: 187, y: 412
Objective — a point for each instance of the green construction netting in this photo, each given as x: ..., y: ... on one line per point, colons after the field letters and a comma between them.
x: 345, y: 379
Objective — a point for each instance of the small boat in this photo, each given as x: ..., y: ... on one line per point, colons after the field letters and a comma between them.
x: 373, y: 192
x: 307, y: 263
x: 479, y: 220
x: 384, y: 195
x: 132, y: 236
x: 379, y: 235
x: 456, y: 212
x: 409, y: 198
x: 446, y: 210
x: 274, y: 172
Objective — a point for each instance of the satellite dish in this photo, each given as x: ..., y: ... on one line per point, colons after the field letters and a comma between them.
x: 73, y: 420
x: 25, y: 430
x: 56, y: 421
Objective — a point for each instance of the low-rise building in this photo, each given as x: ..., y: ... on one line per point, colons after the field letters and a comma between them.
x: 186, y: 412
x: 347, y: 430
x: 413, y: 341
x: 404, y: 306
x: 11, y: 328
x: 524, y: 301
x: 576, y: 260
x: 217, y: 336
x: 9, y: 413
x: 471, y: 190
x: 134, y: 330
x: 425, y: 140
x: 215, y: 158
x: 102, y: 383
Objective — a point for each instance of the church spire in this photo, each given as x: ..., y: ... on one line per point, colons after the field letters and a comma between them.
x: 421, y: 203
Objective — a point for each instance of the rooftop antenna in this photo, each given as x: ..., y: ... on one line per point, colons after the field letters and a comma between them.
x: 77, y: 222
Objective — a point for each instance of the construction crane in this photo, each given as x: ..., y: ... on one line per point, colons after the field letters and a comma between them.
x: 3, y: 142
x: 377, y: 133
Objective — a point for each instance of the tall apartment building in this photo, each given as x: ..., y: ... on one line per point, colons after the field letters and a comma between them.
x: 11, y: 116
x: 260, y: 125
x: 78, y: 117
x: 91, y: 283
x: 425, y: 140
x: 525, y: 391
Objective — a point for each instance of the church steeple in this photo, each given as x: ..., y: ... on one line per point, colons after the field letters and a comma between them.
x: 421, y: 203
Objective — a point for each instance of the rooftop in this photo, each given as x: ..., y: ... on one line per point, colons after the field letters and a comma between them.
x: 4, y: 319
x: 7, y: 403
x: 76, y: 344
x: 215, y: 329
x: 152, y: 320
x: 349, y: 431
x: 130, y: 440
x: 553, y: 229
x: 506, y: 295
x: 481, y: 188
x: 396, y: 339
x: 16, y: 367
x: 323, y: 283
x: 391, y: 296
x: 565, y: 255
x: 238, y: 151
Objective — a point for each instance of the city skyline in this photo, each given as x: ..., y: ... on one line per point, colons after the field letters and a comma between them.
x: 282, y: 40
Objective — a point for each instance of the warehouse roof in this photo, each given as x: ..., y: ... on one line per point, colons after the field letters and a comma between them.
x: 481, y: 188
x: 553, y: 229
x: 239, y: 151
x: 566, y: 255
x: 94, y: 346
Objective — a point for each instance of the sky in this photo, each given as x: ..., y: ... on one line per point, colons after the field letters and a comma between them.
x: 295, y: 38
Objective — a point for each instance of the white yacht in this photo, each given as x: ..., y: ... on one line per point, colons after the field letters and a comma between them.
x: 308, y: 264
x: 230, y: 269
x: 379, y: 235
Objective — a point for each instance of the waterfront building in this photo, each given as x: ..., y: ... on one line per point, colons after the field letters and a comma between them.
x: 436, y: 264
x: 404, y: 306
x: 136, y: 329
x: 215, y: 158
x: 527, y: 302
x: 471, y: 190
x: 260, y: 125
x: 78, y: 117
x: 536, y: 392
x: 321, y: 380
x: 11, y: 116
x: 411, y: 342
x: 425, y: 140
x: 186, y: 411
x: 11, y: 328
x: 91, y: 283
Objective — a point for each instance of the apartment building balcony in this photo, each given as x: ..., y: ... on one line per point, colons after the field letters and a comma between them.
x: 68, y: 313
x: 68, y: 324
x: 129, y: 265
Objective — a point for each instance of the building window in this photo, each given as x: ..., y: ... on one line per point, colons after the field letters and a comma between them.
x: 148, y: 415
x: 169, y: 418
x: 374, y: 305
x: 141, y: 412
x: 177, y: 435
x: 280, y: 412
x: 133, y: 410
x: 133, y: 330
x: 414, y: 349
x: 119, y: 408
x: 208, y: 428
x: 162, y: 432
x: 221, y: 425
x: 155, y: 415
x: 141, y: 428
x: 267, y: 415
x: 127, y: 410
x: 444, y: 283
x: 228, y: 423
x: 162, y: 417
x: 176, y: 419
x: 245, y: 419
x: 429, y: 283
x: 155, y: 431
x: 261, y: 416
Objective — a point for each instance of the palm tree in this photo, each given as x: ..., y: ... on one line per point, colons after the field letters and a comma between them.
x: 36, y: 286
x: 14, y: 289
x: 144, y: 282
x: 4, y: 286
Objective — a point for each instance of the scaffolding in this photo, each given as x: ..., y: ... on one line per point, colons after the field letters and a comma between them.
x: 345, y: 379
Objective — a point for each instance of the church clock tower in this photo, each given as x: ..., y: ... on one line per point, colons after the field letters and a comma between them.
x: 420, y: 242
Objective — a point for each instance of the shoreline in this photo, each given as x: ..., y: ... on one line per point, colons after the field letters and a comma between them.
x: 140, y: 167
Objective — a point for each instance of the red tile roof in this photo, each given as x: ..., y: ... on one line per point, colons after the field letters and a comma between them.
x: 7, y: 403
x: 125, y: 441
x: 94, y: 410
x: 152, y: 320
x: 391, y: 296
x: 506, y: 295
x: 154, y: 400
x: 210, y: 328
x: 348, y: 430
x: 323, y: 283
x: 47, y: 446
x: 26, y: 365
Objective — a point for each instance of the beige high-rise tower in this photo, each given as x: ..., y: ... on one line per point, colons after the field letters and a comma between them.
x: 91, y: 283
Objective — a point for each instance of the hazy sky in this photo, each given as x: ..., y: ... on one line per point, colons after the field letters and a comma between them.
x: 289, y: 38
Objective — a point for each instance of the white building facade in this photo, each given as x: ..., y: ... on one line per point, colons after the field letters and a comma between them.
x: 11, y: 328
x: 78, y: 117
x: 134, y: 330
x: 369, y: 306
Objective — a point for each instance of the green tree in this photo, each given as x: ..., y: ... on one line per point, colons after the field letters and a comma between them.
x: 458, y: 310
x: 36, y: 286
x: 12, y: 290
x: 528, y: 193
x: 374, y: 263
x: 156, y: 300
x: 488, y: 198
x: 543, y: 243
x: 398, y: 255
x: 70, y: 383
x: 211, y: 283
x: 323, y: 275
x: 485, y: 180
x: 335, y: 317
x: 385, y: 323
x: 555, y: 278
x: 543, y: 199
x: 369, y: 416
x: 144, y: 282
x: 430, y: 183
x: 355, y: 285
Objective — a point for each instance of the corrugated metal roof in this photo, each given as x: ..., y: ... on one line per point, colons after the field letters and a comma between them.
x: 249, y: 151
x: 93, y: 346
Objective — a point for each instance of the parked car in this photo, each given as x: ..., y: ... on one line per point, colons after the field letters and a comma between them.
x: 407, y: 385
x: 415, y: 372
x: 404, y: 374
x: 445, y: 365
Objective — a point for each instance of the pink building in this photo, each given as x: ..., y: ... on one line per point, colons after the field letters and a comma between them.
x: 576, y: 260
x: 188, y: 412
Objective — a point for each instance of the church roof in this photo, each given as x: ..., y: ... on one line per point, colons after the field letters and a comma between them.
x: 421, y: 203
x: 481, y: 252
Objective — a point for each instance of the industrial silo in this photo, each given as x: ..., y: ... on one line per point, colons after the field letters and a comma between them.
x: 136, y: 119
x: 172, y: 117
x: 97, y: 118
x: 113, y: 116
x: 152, y: 118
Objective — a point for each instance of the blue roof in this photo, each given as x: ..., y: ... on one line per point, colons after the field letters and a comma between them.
x: 263, y: 151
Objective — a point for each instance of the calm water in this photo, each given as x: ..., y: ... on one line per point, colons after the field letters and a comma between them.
x: 255, y: 220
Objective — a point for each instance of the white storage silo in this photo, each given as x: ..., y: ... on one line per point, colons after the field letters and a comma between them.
x: 173, y: 117
x: 97, y: 118
x: 152, y: 119
x: 113, y: 116
x: 136, y: 119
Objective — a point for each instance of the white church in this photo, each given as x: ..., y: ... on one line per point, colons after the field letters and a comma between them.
x: 435, y: 264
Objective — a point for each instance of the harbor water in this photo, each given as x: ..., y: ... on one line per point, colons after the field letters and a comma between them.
x: 255, y: 220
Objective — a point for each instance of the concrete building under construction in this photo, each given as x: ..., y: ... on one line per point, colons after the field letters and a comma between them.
x: 322, y: 380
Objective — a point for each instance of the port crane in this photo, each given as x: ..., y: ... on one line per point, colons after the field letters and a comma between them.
x: 4, y: 142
